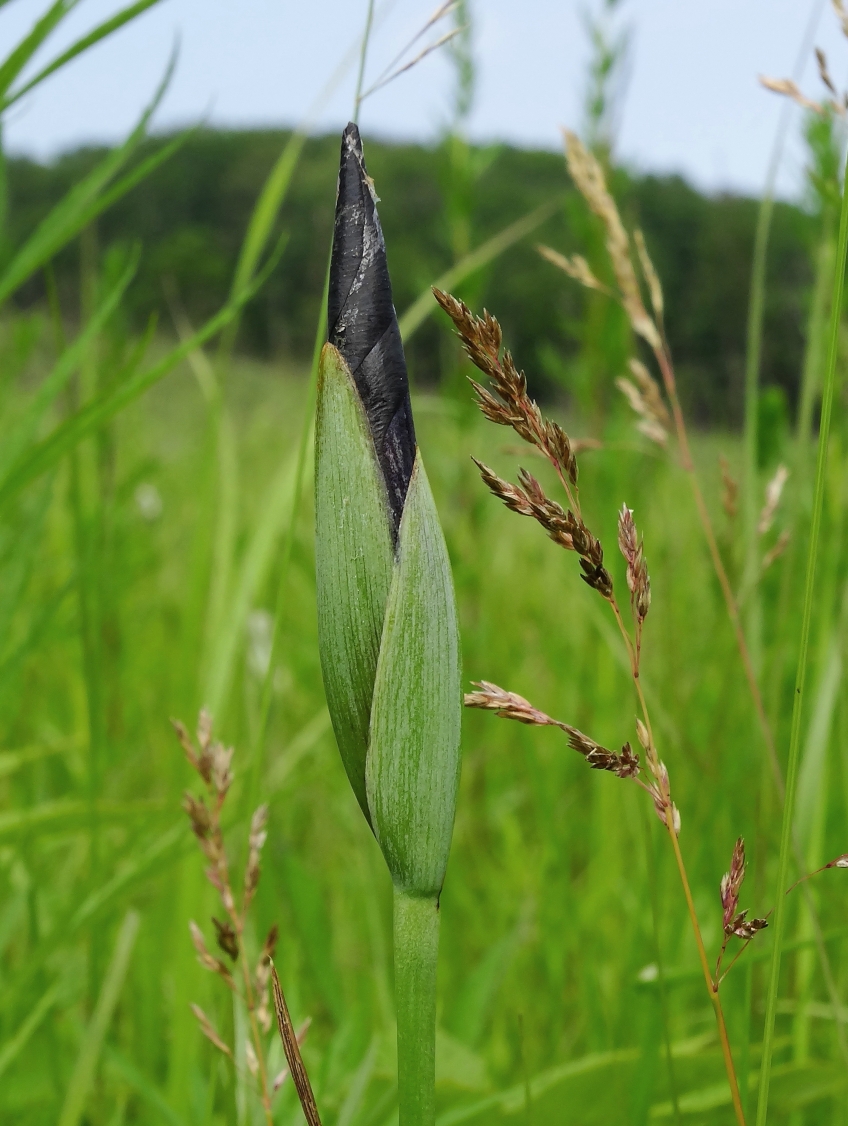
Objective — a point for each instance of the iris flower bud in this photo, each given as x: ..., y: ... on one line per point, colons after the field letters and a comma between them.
x: 388, y: 632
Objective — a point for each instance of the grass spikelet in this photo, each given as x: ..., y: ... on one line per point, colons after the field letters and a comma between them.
x: 588, y: 175
x: 774, y: 491
x: 645, y: 398
x: 213, y: 764
x: 575, y: 267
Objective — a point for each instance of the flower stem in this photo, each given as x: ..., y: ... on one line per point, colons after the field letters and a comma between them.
x: 416, y: 927
x: 711, y: 983
x: 712, y: 988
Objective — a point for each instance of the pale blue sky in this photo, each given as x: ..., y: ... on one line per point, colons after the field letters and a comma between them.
x: 692, y: 102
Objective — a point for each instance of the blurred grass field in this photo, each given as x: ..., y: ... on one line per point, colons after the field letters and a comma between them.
x: 550, y: 1000
x: 148, y: 544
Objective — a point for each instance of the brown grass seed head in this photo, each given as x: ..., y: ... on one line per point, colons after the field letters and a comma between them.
x: 226, y: 938
x: 207, y: 960
x: 650, y: 274
x: 589, y: 177
x: 257, y: 839
x: 734, y: 921
x: 575, y: 267
x: 563, y: 527
x: 774, y: 491
x: 729, y: 489
x: 638, y: 580
x: 509, y: 705
x: 209, y: 1032
x: 481, y: 338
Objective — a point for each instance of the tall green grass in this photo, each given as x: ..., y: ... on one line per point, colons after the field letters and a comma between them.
x: 548, y: 938
x: 154, y: 557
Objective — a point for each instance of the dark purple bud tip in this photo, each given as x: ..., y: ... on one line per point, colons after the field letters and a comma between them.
x: 363, y: 325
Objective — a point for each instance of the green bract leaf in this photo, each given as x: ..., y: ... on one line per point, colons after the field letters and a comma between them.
x: 353, y: 561
x: 412, y: 769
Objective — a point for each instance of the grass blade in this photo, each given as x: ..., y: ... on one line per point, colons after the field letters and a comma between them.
x: 16, y: 440
x: 12, y: 1049
x: 800, y: 679
x: 139, y: 1082
x: 81, y: 204
x: 69, y: 433
x: 20, y: 56
x: 82, y: 1077
x: 254, y: 568
x: 94, y: 36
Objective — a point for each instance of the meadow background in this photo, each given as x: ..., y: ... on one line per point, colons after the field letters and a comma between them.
x: 156, y: 556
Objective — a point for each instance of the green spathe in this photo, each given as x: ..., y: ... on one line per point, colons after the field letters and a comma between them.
x: 389, y: 640
x: 412, y: 768
x: 353, y: 561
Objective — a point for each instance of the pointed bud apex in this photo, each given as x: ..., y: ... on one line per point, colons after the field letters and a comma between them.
x: 363, y: 326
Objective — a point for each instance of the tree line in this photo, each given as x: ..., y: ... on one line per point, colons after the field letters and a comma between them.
x: 191, y: 213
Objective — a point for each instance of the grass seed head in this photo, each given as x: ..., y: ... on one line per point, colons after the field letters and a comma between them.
x: 209, y: 1032
x: 222, y: 775
x: 624, y: 764
x: 510, y: 405
x: 841, y: 15
x: 226, y: 938
x: 638, y: 580
x: 575, y: 267
x: 528, y: 498
x: 507, y: 705
x: 645, y: 398
x: 256, y: 840
x: 729, y: 489
x: 207, y: 960
x: 790, y: 89
x: 774, y: 491
x: 250, y: 1059
x: 650, y: 274
x: 824, y: 73
x: 198, y: 815
x: 731, y: 883
x: 734, y: 921
x: 587, y: 174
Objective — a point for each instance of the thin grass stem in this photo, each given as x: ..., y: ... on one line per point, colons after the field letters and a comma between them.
x: 711, y: 982
x: 786, y: 837
x: 653, y: 884
x: 669, y: 381
x: 711, y: 987
x: 363, y: 55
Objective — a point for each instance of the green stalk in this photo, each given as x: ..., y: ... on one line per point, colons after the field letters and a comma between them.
x: 752, y: 398
x: 809, y: 594
x: 416, y: 925
x: 363, y: 54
